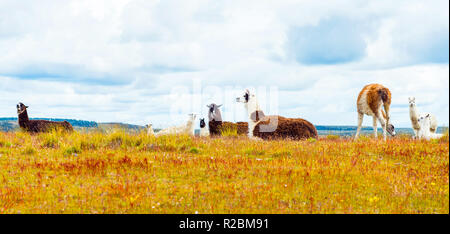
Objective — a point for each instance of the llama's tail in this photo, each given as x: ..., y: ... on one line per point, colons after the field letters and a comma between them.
x: 383, y: 94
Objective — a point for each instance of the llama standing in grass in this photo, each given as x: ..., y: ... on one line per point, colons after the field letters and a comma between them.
x: 424, y: 131
x: 203, y: 129
x: 39, y: 125
x: 216, y: 125
x: 415, y: 115
x: 371, y: 101
x: 187, y: 128
x: 274, y: 127
x: 150, y: 131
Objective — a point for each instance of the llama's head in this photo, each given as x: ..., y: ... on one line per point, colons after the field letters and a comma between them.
x: 148, y: 125
x: 412, y: 101
x: 391, y: 129
x: 21, y: 108
x: 245, y: 98
x: 192, y: 117
x: 202, y: 123
x: 424, y: 121
x: 214, y: 112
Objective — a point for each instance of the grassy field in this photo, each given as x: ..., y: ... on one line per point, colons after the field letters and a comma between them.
x: 133, y: 173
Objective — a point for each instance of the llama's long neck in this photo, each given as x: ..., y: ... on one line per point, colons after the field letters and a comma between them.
x: 252, y: 106
x: 414, y: 117
x: 424, y: 129
x: 218, y: 115
x: 150, y: 131
x: 215, y: 115
x: 23, y: 119
x: 190, y: 125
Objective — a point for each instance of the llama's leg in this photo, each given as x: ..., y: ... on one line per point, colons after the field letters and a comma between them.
x: 383, y: 124
x: 375, y: 129
x: 360, y: 121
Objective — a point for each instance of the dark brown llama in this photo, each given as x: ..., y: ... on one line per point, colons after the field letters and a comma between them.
x: 217, y: 126
x: 36, y: 126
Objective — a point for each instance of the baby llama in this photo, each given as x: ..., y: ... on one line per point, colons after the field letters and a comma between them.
x: 424, y: 131
x: 414, y: 115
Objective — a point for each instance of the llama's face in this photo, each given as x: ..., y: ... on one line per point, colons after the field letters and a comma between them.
x: 21, y: 108
x: 412, y: 101
x: 424, y: 119
x: 213, y: 107
x: 391, y: 130
x: 202, y: 123
x: 192, y: 117
x: 245, y: 98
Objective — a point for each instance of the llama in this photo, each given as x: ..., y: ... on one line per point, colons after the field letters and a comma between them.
x: 36, y: 126
x: 415, y: 115
x: 274, y: 127
x: 150, y: 131
x: 424, y: 131
x: 203, y: 130
x: 371, y: 100
x: 216, y: 125
x: 187, y: 128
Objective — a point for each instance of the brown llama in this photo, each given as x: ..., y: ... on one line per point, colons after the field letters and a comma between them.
x: 371, y: 100
x: 274, y: 127
x: 36, y: 126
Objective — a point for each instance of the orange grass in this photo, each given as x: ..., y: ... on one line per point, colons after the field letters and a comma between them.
x: 133, y: 173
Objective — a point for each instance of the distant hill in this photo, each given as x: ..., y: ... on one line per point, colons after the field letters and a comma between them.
x: 9, y: 124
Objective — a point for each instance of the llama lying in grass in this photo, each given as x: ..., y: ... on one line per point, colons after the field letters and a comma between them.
x: 415, y: 115
x: 424, y: 131
x: 217, y: 126
x: 187, y: 128
x: 150, y: 131
x: 203, y: 129
x: 371, y: 101
x: 274, y: 127
x: 39, y: 125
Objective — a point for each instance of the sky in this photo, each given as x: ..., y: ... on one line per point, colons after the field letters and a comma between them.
x: 149, y: 61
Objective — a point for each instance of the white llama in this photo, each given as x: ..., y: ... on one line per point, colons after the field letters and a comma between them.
x: 204, y: 131
x: 424, y: 131
x: 187, y: 128
x: 150, y: 131
x: 415, y: 115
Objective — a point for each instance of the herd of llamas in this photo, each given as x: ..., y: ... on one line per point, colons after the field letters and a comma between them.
x: 373, y: 100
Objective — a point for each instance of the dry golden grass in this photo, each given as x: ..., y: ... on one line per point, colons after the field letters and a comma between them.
x: 125, y: 173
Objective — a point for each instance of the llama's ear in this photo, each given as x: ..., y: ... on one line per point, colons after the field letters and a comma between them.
x: 428, y: 115
x: 26, y: 106
x: 219, y: 105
